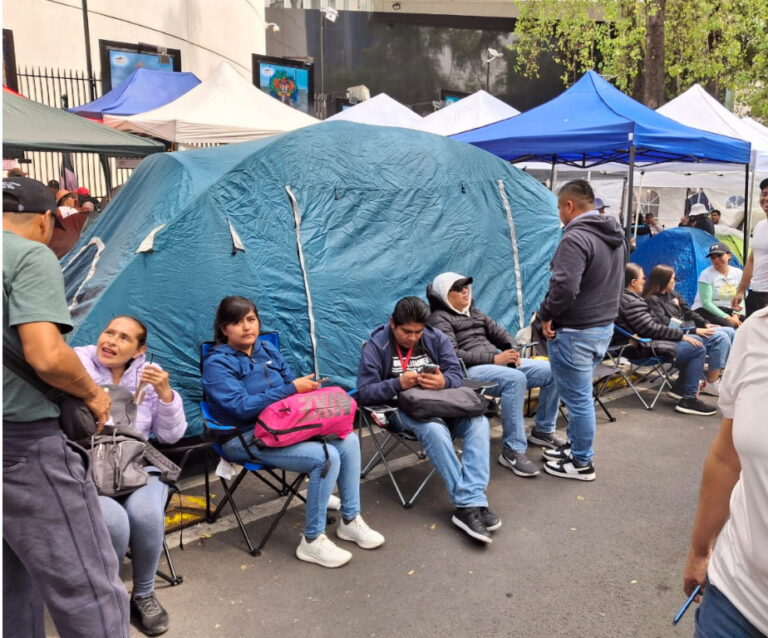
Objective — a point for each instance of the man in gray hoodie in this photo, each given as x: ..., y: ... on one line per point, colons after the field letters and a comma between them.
x: 577, y: 317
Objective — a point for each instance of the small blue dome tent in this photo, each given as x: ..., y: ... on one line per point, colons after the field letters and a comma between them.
x: 685, y: 249
x: 325, y: 228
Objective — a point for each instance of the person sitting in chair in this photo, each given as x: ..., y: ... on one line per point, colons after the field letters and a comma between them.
x: 392, y: 361
x: 138, y: 519
x: 490, y: 354
x: 718, y: 285
x: 669, y: 343
x: 243, y: 375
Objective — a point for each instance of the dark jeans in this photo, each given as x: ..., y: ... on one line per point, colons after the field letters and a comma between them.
x: 56, y: 547
x: 716, y: 617
x: 755, y: 301
x: 718, y: 321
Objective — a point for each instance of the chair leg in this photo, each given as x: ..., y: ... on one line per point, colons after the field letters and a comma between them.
x: 293, y: 491
x: 235, y: 510
x: 173, y: 578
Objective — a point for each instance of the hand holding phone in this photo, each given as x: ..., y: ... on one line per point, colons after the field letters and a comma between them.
x: 429, y: 368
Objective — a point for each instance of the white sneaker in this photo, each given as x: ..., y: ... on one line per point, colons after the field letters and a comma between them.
x: 322, y: 551
x: 712, y: 388
x: 334, y: 502
x: 358, y: 531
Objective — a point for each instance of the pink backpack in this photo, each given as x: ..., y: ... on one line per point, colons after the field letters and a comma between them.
x: 322, y: 414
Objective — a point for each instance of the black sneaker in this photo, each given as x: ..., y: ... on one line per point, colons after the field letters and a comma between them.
x: 153, y: 619
x: 518, y: 462
x: 568, y: 468
x: 490, y: 520
x: 692, y: 405
x: 551, y: 440
x: 470, y: 520
x: 560, y: 453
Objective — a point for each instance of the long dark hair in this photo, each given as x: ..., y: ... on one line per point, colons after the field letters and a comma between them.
x: 658, y: 280
x: 231, y: 310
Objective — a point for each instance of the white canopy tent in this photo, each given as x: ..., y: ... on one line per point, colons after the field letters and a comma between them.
x: 473, y: 111
x: 699, y: 109
x: 224, y: 108
x: 380, y: 110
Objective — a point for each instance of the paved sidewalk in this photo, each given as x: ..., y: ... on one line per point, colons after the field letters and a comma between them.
x: 601, y: 559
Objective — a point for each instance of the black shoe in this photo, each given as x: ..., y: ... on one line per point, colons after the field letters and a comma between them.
x: 470, y: 520
x: 153, y: 619
x: 551, y: 440
x: 558, y: 454
x: 691, y: 405
x: 568, y: 468
x: 490, y: 520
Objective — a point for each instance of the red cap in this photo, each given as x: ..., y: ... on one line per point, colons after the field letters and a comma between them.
x: 83, y: 191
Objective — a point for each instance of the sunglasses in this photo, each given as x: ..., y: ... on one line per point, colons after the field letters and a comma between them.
x: 459, y: 287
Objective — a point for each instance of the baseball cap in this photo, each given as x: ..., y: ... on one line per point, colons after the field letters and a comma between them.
x: 464, y: 281
x: 26, y: 195
x: 599, y: 203
x: 83, y: 191
x: 718, y: 248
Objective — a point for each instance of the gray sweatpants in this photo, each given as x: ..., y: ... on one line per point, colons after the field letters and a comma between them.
x: 56, y: 549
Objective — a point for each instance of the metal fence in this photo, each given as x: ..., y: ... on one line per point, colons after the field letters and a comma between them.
x: 65, y: 89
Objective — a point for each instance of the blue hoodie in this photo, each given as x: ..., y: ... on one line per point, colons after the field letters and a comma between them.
x: 375, y: 386
x: 239, y: 387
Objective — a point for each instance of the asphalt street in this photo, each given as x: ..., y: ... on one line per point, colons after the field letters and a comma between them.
x: 601, y: 559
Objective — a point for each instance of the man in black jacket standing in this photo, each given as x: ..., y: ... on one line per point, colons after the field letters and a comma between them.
x: 577, y: 317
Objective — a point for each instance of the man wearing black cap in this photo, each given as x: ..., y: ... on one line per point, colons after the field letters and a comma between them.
x: 755, y: 275
x: 718, y: 284
x: 56, y: 549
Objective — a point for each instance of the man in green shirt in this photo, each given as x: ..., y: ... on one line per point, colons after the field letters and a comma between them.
x: 56, y: 549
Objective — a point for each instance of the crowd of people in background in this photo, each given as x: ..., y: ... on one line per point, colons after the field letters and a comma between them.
x: 591, y: 287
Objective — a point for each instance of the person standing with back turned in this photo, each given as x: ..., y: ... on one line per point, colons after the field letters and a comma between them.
x: 577, y: 317
x: 56, y: 549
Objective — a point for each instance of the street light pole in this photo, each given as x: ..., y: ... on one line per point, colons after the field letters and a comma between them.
x: 493, y: 54
x: 88, y: 65
x: 322, y: 55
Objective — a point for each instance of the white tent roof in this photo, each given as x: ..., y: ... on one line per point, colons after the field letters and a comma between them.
x: 381, y: 110
x: 473, y: 111
x: 224, y: 108
x: 699, y: 109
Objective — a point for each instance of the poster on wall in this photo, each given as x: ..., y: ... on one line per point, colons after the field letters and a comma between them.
x: 449, y: 97
x: 120, y: 59
x: 290, y: 81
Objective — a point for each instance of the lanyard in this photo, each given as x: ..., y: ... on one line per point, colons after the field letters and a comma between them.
x: 404, y: 363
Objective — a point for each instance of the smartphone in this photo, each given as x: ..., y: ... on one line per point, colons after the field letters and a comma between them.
x: 321, y: 379
x: 429, y: 368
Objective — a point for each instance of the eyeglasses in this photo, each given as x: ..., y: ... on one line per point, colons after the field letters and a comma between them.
x: 459, y: 287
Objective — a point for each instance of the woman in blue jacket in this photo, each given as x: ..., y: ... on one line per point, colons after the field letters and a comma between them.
x: 241, y: 377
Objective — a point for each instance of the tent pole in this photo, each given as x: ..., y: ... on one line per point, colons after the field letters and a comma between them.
x: 630, y: 185
x: 747, y: 212
x: 104, y: 161
x: 637, y: 207
x: 552, y: 174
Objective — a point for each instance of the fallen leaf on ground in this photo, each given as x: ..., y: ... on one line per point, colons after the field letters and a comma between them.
x: 632, y: 582
x: 410, y: 573
x: 433, y: 526
x: 573, y: 529
x: 579, y: 497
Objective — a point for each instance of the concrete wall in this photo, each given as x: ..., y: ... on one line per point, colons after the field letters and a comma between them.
x: 50, y: 33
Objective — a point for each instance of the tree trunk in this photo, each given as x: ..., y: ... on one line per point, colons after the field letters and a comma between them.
x: 653, y: 85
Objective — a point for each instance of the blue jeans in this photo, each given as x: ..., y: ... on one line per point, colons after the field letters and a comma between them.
x: 138, y: 520
x: 308, y: 456
x: 718, y: 346
x: 716, y: 617
x: 690, y: 361
x: 511, y: 384
x: 573, y: 355
x: 467, y: 479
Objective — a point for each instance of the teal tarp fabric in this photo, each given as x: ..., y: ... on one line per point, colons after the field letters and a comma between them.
x: 685, y: 249
x: 381, y: 211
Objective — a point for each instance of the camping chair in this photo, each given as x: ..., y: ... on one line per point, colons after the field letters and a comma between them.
x: 376, y: 419
x: 218, y: 433
x: 656, y: 368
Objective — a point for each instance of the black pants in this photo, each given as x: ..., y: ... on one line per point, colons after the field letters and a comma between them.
x: 718, y: 321
x: 755, y: 301
x: 56, y: 549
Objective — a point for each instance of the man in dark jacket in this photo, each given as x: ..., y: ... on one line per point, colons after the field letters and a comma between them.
x: 577, y: 318
x: 490, y: 354
x: 392, y: 361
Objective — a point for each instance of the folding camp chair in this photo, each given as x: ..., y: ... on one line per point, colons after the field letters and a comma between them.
x: 649, y: 368
x: 218, y: 433
x: 377, y: 420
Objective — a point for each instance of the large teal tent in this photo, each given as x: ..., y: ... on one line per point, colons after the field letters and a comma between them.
x: 325, y: 228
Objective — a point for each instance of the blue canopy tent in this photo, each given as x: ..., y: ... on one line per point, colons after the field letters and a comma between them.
x: 143, y: 90
x: 593, y: 123
x: 325, y: 228
x: 685, y: 249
